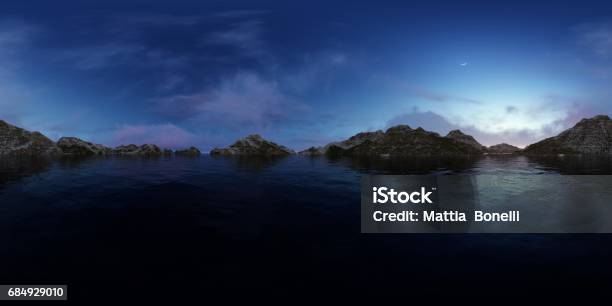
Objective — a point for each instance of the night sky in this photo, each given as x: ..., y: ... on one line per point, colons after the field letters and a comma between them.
x: 204, y: 73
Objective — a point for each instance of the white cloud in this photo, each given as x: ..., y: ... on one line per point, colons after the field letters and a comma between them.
x: 244, y: 99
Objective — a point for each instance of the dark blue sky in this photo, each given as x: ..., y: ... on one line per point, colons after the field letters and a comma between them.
x: 177, y: 73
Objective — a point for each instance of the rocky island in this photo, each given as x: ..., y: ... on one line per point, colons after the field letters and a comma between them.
x: 76, y: 146
x: 459, y: 136
x: 18, y: 141
x: 14, y: 140
x: 502, y: 148
x: 191, y: 151
x: 400, y: 140
x: 589, y: 136
x: 253, y: 145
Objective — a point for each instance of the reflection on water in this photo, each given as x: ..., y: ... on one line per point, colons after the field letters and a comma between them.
x: 12, y: 168
x: 210, y: 224
x: 254, y: 163
x: 15, y: 168
x: 414, y: 165
x: 582, y: 164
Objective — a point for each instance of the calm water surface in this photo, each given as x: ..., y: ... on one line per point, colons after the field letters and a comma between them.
x: 118, y: 226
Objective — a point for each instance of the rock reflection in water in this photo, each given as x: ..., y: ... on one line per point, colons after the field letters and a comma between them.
x: 575, y: 164
x: 15, y: 168
x: 408, y: 165
x: 250, y: 163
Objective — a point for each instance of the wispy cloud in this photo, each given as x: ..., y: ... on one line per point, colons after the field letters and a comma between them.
x: 511, y: 109
x: 596, y: 38
x: 15, y: 36
x: 239, y: 14
x: 102, y: 56
x: 433, y: 96
x: 120, y: 22
x: 244, y: 36
x: 244, y: 99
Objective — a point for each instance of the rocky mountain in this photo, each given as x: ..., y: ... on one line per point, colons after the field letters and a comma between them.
x: 149, y: 150
x: 191, y: 151
x: 253, y: 145
x: 339, y: 146
x: 14, y: 140
x: 143, y: 150
x: 76, y: 146
x: 400, y: 140
x: 459, y: 136
x: 589, y: 136
x: 502, y: 148
x: 130, y: 149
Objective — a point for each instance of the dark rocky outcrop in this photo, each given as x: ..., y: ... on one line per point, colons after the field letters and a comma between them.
x: 130, y: 149
x: 14, y: 140
x: 149, y: 150
x: 459, y: 136
x: 502, y: 148
x: 17, y: 141
x: 253, y: 145
x: 192, y: 151
x: 589, y: 136
x: 338, y: 147
x: 400, y: 140
x: 77, y: 147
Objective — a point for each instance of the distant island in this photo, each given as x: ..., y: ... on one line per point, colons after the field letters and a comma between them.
x: 589, y: 136
x: 253, y: 145
x: 18, y: 141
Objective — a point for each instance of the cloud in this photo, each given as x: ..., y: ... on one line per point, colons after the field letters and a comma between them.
x: 102, y: 56
x: 122, y: 21
x: 238, y: 14
x: 244, y: 99
x: 440, y: 97
x: 15, y: 36
x: 510, y: 109
x: 244, y: 36
x: 596, y: 38
x: 164, y: 135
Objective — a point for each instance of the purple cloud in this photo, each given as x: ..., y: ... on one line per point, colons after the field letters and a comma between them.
x: 164, y: 135
x: 245, y: 99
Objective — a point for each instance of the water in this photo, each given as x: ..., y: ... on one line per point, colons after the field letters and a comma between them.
x: 195, y: 227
